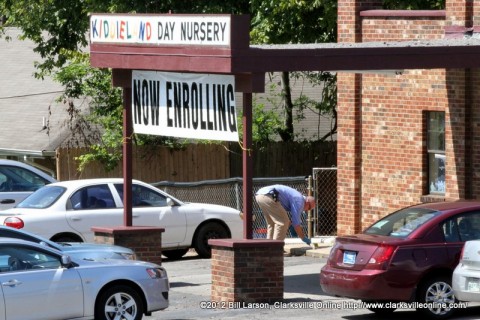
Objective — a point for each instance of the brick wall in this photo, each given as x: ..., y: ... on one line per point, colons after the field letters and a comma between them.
x: 393, y: 117
x: 393, y: 138
x: 381, y: 118
x: 473, y: 133
x: 401, y: 25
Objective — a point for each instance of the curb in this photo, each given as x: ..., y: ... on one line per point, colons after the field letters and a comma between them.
x: 320, y: 252
x: 322, y: 245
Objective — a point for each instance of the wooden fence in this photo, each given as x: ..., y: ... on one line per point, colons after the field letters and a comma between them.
x: 198, y: 162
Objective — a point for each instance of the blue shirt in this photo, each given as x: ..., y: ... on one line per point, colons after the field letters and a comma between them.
x: 290, y: 199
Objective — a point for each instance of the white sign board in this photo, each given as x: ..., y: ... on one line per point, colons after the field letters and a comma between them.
x: 161, y: 29
x: 185, y: 105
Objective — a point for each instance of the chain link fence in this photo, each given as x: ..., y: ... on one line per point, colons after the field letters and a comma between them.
x: 229, y: 192
x: 325, y: 191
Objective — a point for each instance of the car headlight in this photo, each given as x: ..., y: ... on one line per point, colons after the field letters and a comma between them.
x: 157, y: 273
x: 128, y: 256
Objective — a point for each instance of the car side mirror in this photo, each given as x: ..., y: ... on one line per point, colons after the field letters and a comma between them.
x: 66, y: 261
x: 170, y: 202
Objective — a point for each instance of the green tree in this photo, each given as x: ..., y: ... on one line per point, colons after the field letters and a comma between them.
x: 59, y: 28
x: 414, y: 4
x: 303, y: 21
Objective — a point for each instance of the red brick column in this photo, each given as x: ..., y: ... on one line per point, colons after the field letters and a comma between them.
x: 248, y: 270
x: 145, y: 241
x: 349, y: 121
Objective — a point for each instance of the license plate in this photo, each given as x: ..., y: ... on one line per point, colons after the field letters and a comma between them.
x: 473, y: 285
x: 349, y: 257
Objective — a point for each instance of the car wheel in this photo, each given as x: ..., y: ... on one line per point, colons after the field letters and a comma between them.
x: 175, y: 254
x: 119, y: 302
x: 211, y: 230
x: 436, y: 293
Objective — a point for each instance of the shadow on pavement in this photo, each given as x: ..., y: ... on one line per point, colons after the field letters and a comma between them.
x: 308, y: 283
x: 188, y: 256
x: 183, y: 284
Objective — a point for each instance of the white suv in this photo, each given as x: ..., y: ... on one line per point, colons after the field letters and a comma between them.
x: 18, y: 180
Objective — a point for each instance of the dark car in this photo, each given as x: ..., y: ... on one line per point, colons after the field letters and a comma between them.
x: 405, y: 259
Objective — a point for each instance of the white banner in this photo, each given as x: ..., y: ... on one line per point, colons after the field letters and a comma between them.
x: 211, y: 30
x: 185, y: 105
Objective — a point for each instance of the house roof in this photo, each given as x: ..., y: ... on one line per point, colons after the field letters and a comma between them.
x: 27, y: 104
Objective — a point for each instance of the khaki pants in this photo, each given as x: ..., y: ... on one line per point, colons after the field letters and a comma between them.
x: 276, y: 217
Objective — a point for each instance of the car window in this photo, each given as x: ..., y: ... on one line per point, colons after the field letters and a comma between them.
x: 143, y: 197
x: 463, y: 227
x: 401, y: 223
x: 18, y: 258
x: 92, y: 197
x: 13, y: 233
x: 7, y: 232
x: 42, y: 198
x: 19, y: 179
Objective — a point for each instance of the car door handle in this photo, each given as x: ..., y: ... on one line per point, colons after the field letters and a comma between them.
x: 75, y: 218
x: 11, y: 283
x: 7, y: 201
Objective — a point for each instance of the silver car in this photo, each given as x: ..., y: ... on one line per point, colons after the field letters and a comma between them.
x: 81, y: 250
x: 18, y: 180
x: 42, y: 283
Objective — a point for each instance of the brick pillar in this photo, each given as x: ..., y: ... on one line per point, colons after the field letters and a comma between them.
x: 459, y: 12
x: 145, y: 241
x: 349, y: 154
x: 349, y: 20
x: 460, y: 16
x: 476, y: 16
x: 349, y: 148
x: 247, y: 271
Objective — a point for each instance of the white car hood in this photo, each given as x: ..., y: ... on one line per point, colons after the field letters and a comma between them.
x: 114, y: 262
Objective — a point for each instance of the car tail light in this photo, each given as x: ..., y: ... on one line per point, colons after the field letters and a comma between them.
x: 14, y: 222
x: 381, y: 257
x: 334, y: 255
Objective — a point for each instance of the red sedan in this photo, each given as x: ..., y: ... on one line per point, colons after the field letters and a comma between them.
x: 404, y: 260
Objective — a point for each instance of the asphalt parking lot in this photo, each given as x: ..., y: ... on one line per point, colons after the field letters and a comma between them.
x: 190, y: 280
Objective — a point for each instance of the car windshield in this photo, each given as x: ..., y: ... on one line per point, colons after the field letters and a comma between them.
x: 19, y: 179
x: 401, y: 223
x: 42, y: 198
